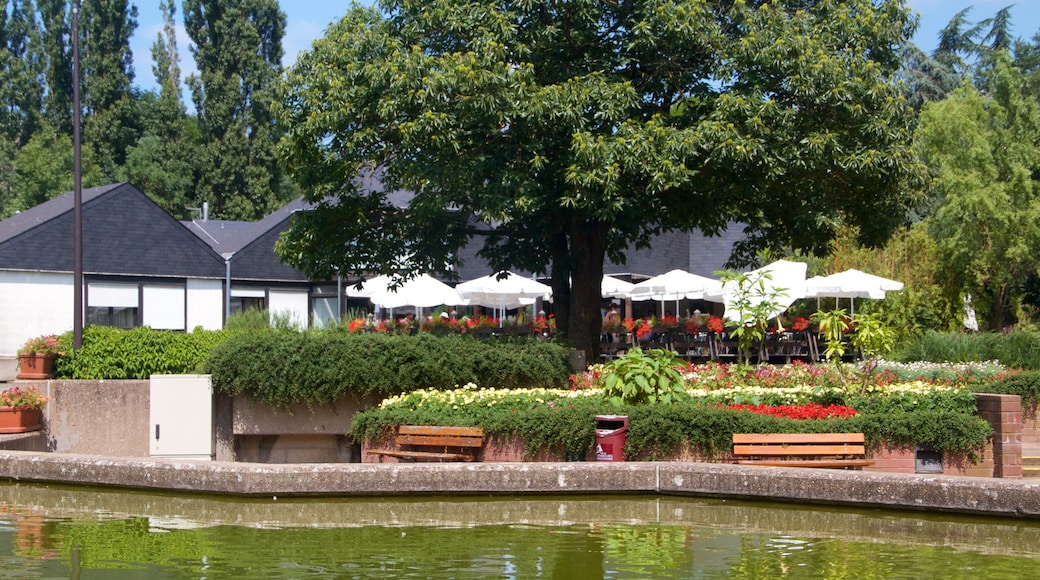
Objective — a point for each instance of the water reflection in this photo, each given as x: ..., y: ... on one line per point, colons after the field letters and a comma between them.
x: 122, y: 534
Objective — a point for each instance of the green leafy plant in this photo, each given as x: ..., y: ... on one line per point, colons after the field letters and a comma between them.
x: 874, y: 339
x: 643, y: 377
x: 833, y: 324
x: 755, y: 302
x: 113, y: 353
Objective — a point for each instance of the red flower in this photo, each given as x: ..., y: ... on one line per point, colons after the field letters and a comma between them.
x: 799, y: 412
x: 715, y: 324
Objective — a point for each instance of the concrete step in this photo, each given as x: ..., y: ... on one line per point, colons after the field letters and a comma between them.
x: 1031, y: 472
x: 1031, y: 459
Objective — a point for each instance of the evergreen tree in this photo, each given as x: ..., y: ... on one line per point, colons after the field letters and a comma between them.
x: 238, y: 51
x: 163, y: 162
x: 111, y: 121
x: 21, y: 73
x: 57, y: 105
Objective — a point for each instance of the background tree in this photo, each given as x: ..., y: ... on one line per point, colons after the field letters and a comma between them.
x: 238, y: 51
x: 21, y: 73
x: 21, y: 89
x: 58, y: 98
x: 162, y: 162
x: 570, y: 130
x: 985, y: 151
x: 111, y: 122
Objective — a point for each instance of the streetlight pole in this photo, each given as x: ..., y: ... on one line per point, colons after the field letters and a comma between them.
x: 77, y: 192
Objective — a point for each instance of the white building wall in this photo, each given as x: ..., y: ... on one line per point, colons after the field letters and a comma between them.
x: 205, y: 304
x: 33, y: 304
x: 291, y: 302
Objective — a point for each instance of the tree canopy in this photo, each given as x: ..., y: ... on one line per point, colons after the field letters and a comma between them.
x: 563, y: 132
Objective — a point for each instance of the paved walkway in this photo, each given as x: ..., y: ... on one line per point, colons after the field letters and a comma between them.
x: 1003, y: 497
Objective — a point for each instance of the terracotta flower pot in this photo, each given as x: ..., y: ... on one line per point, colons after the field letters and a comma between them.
x: 20, y: 419
x: 36, y: 366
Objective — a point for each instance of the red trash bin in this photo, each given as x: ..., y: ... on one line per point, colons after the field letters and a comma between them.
x: 611, y: 432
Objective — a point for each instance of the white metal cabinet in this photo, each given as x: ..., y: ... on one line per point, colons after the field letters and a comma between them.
x: 182, y: 417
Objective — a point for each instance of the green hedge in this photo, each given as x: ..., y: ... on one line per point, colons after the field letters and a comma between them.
x: 283, y: 368
x: 112, y: 353
x: 655, y: 431
x: 1024, y: 384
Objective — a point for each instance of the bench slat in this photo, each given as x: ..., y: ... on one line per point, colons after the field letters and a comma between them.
x: 440, y: 430
x: 798, y: 438
x: 440, y: 441
x: 780, y: 450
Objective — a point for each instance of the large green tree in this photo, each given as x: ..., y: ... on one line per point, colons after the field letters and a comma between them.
x: 111, y: 119
x: 568, y: 130
x: 21, y: 89
x: 163, y: 161
x: 984, y: 153
x: 56, y: 45
x: 238, y: 51
x: 21, y: 72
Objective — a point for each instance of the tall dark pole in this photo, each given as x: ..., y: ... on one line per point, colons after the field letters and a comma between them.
x: 77, y: 193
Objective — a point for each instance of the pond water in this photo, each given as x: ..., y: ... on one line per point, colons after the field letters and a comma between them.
x: 75, y: 532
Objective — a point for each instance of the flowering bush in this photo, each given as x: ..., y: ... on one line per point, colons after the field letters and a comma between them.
x: 48, y: 344
x: 19, y: 398
x: 591, y: 378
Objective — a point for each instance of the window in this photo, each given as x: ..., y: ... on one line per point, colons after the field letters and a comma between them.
x: 324, y: 306
x: 246, y: 303
x: 112, y: 305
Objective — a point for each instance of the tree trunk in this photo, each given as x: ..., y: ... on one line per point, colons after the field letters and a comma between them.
x: 579, y: 271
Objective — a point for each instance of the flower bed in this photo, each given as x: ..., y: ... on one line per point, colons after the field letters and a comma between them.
x: 941, y: 416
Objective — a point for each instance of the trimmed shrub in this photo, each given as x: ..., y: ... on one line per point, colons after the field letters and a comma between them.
x: 113, y: 353
x: 283, y: 368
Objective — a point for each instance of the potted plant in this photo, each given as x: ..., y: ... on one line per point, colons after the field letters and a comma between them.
x: 36, y: 357
x: 21, y: 409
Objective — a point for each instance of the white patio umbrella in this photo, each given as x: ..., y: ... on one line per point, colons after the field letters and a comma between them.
x: 785, y: 278
x: 423, y: 291
x: 851, y: 284
x: 509, y: 292
x: 612, y: 287
x: 674, y: 285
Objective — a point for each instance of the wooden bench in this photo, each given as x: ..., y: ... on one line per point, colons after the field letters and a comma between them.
x: 431, y: 442
x: 831, y: 450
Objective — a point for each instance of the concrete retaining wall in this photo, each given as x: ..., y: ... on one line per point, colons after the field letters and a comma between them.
x: 945, y: 493
x: 97, y: 417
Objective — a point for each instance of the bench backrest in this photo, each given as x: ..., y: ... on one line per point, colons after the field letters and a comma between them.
x: 435, y: 436
x: 793, y: 444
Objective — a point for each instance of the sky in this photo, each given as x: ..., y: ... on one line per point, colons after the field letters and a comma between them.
x: 307, y: 20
